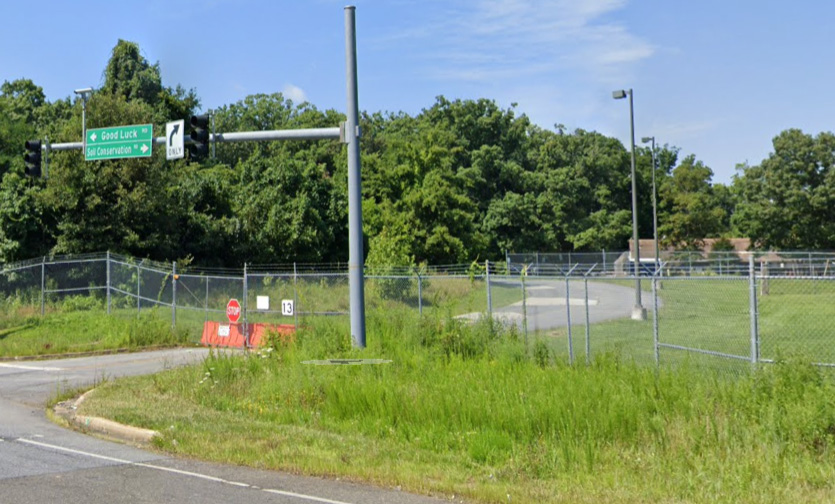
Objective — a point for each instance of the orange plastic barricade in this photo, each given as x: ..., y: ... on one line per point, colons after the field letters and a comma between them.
x: 223, y: 334
x: 219, y: 334
x: 258, y: 332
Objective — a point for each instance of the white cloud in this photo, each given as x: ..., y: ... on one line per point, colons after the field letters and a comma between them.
x: 294, y: 93
x: 498, y: 39
x: 691, y: 129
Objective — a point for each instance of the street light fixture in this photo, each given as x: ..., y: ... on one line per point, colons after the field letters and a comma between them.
x: 654, y: 201
x: 85, y: 95
x: 638, y: 311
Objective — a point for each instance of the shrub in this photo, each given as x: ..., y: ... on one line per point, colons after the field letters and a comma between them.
x: 81, y: 303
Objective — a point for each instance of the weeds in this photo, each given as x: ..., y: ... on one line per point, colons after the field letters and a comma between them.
x: 470, y: 406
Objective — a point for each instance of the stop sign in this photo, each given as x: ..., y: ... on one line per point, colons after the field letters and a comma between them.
x: 233, y: 311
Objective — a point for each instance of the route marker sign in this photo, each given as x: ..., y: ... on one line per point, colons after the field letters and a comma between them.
x: 119, y: 142
x: 287, y: 307
x: 175, y: 139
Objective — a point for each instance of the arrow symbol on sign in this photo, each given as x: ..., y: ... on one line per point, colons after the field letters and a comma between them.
x: 93, y: 137
x: 173, y: 132
x: 144, y: 148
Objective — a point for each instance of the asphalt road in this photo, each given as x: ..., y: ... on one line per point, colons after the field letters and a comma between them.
x: 41, y: 462
x: 547, y: 306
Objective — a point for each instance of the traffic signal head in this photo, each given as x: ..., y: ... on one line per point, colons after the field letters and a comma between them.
x: 200, y: 135
x: 33, y: 158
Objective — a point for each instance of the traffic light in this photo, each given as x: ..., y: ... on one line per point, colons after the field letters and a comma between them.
x: 200, y: 136
x: 33, y: 158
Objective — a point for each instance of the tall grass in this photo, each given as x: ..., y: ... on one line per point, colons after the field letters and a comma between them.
x: 81, y: 325
x: 469, y: 410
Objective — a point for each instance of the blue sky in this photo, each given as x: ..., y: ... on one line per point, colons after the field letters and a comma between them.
x: 718, y: 79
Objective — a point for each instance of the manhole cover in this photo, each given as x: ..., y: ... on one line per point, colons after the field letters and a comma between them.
x: 346, y: 362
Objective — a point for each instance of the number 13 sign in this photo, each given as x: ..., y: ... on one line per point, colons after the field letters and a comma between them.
x: 287, y: 307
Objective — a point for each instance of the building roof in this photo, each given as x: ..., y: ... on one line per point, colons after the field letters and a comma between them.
x: 740, y: 245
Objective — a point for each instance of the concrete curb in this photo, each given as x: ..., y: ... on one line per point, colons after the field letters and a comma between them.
x: 102, y: 426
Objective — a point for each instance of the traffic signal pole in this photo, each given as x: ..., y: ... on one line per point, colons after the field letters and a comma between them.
x: 335, y: 133
x: 349, y: 134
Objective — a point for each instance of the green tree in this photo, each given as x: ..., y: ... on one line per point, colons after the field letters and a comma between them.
x: 130, y: 75
x: 24, y: 234
x: 442, y: 172
x: 586, y: 179
x: 787, y: 201
x: 120, y: 205
x: 691, y: 209
x: 21, y: 105
x: 291, y: 200
x: 520, y: 222
x: 24, y: 230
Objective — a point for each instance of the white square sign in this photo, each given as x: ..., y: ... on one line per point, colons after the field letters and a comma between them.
x: 263, y: 302
x: 174, y: 139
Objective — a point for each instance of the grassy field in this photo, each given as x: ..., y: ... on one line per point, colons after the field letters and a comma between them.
x: 481, y: 412
x: 79, y: 323
x: 467, y: 410
x: 712, y: 314
x: 85, y: 331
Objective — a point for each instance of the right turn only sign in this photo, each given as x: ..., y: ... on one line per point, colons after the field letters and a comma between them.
x: 174, y: 139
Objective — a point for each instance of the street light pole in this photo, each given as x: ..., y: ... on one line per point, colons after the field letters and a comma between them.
x: 85, y: 95
x: 638, y: 311
x: 654, y: 201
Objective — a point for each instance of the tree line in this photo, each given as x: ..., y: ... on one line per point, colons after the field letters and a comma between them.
x: 459, y: 181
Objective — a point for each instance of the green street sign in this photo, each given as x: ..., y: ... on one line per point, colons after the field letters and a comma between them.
x: 119, y: 142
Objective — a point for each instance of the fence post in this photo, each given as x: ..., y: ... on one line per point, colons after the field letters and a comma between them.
x: 568, y: 321
x: 764, y: 289
x: 108, y: 282
x: 138, y: 290
x: 489, y: 294
x: 174, y: 277
x: 206, y: 303
x: 246, y: 294
x: 655, y: 341
x: 295, y: 297
x: 588, y: 329
x: 420, y: 293
x: 752, y: 289
x: 524, y: 307
x: 43, y: 286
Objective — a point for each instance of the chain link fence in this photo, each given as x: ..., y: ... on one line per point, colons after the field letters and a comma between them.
x: 674, y: 263
x: 732, y: 320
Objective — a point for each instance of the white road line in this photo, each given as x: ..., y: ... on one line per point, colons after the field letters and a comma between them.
x: 172, y: 470
x: 29, y: 368
x: 70, y: 450
x: 303, y: 496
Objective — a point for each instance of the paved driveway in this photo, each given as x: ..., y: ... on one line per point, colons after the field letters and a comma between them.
x: 41, y: 462
x: 548, y: 307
